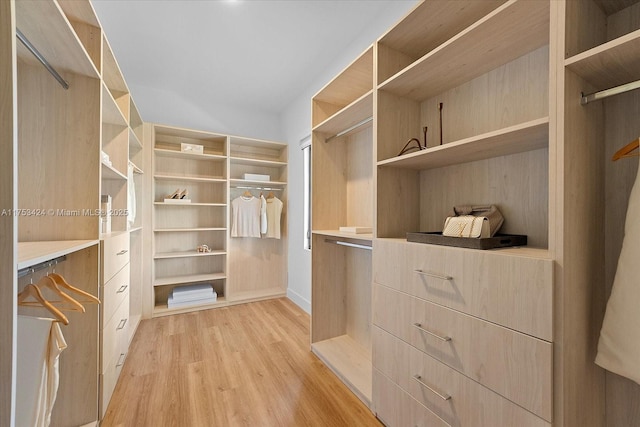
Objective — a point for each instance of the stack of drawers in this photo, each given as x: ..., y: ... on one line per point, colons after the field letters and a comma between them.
x: 114, y: 336
x: 461, y: 337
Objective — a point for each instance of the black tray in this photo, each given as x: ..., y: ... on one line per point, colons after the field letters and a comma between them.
x: 497, y: 241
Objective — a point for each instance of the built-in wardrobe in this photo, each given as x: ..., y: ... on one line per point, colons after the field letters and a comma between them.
x: 508, y: 98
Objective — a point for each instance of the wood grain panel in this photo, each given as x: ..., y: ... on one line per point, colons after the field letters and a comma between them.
x: 62, y: 116
x: 256, y: 264
x: 359, y: 193
x: 8, y: 200
x: 512, y: 364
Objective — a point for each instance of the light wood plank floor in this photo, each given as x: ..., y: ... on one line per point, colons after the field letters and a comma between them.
x: 245, y: 365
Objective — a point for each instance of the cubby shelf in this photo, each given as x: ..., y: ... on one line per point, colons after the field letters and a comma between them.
x: 188, y: 254
x: 352, y: 114
x: 256, y: 162
x: 110, y: 173
x: 256, y: 183
x: 188, y: 278
x: 110, y: 111
x: 186, y: 155
x: 189, y: 178
x: 514, y: 139
x: 610, y: 64
x: 512, y: 30
x: 343, y: 235
x: 163, y: 310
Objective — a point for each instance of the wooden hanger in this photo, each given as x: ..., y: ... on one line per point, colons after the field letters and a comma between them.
x: 271, y: 195
x: 48, y: 283
x: 61, y: 282
x: 626, y: 150
x: 32, y: 290
x: 247, y: 193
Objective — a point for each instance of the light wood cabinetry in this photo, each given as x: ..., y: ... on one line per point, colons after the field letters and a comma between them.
x: 498, y: 86
x: 57, y: 177
x: 240, y: 269
x: 343, y: 196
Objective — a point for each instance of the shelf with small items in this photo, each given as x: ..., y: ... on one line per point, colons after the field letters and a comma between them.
x: 524, y: 27
x: 527, y: 136
x: 186, y: 254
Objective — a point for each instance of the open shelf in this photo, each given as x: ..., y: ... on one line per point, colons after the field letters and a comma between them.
x: 514, y: 139
x: 523, y: 27
x: 188, y: 254
x: 250, y: 182
x: 257, y: 295
x: 163, y: 152
x: 188, y: 278
x: 352, y: 114
x: 163, y: 310
x: 189, y: 178
x: 256, y: 162
x: 172, y: 230
x: 189, y: 204
x: 30, y: 253
x: 47, y: 28
x: 343, y: 235
x: 110, y: 111
x: 110, y: 173
x: 610, y: 64
x: 350, y: 362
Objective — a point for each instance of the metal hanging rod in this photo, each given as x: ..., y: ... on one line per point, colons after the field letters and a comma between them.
x: 250, y: 187
x: 609, y: 92
x: 41, y: 58
x: 41, y: 266
x: 349, y: 129
x: 349, y: 244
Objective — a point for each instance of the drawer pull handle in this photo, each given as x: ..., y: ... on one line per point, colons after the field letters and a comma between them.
x: 121, y: 324
x: 121, y: 360
x: 122, y: 289
x: 440, y: 337
x: 418, y: 379
x: 122, y: 252
x: 430, y: 274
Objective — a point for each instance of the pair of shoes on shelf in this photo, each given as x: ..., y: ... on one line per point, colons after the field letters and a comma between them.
x: 179, y: 194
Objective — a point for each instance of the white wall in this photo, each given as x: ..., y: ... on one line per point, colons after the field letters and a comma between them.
x: 172, y: 108
x: 296, y: 124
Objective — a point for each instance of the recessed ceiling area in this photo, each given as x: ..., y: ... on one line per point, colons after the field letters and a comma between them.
x: 245, y: 54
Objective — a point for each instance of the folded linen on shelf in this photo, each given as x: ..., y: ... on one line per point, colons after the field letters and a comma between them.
x: 172, y: 302
x: 199, y: 290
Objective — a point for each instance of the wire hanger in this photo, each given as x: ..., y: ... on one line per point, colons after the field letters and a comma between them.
x: 626, y: 151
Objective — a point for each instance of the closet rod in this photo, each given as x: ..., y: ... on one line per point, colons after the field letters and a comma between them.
x: 41, y: 266
x: 349, y: 244
x: 41, y: 58
x: 349, y: 129
x: 250, y: 187
x: 609, y: 92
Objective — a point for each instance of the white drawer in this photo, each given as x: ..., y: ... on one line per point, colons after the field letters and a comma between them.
x: 515, y: 365
x: 114, y: 255
x: 114, y: 292
x: 115, y: 332
x: 395, y: 407
x: 510, y: 290
x: 453, y: 397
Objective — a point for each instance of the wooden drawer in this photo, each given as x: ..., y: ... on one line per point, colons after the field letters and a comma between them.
x: 114, y: 292
x: 395, y: 407
x: 510, y: 290
x: 114, y: 255
x: 453, y: 397
x: 115, y: 332
x: 109, y: 378
x: 515, y: 365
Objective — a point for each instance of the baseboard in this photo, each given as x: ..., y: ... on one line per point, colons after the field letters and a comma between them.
x: 299, y: 300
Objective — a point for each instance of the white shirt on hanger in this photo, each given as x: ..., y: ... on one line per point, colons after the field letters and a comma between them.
x: 245, y: 216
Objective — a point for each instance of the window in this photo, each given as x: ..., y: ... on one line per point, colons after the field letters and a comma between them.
x: 305, y: 144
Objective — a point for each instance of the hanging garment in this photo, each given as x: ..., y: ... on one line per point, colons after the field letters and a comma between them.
x: 245, y: 216
x: 274, y: 210
x: 619, y: 345
x: 131, y: 197
x: 40, y: 343
x: 263, y: 215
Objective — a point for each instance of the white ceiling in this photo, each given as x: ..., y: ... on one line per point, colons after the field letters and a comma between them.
x: 253, y: 54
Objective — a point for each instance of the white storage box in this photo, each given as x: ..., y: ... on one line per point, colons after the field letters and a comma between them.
x: 192, y: 148
x: 256, y: 177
